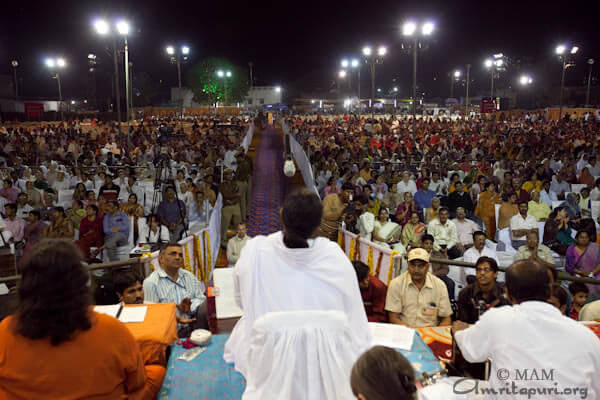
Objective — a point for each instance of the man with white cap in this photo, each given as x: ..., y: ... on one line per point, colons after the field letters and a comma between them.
x: 418, y: 298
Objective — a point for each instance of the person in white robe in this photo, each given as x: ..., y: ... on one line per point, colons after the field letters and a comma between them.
x: 286, y: 271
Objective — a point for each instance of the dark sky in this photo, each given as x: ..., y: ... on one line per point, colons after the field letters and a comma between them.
x: 299, y: 43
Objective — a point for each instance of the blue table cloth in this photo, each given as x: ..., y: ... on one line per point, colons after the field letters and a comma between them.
x: 208, y: 376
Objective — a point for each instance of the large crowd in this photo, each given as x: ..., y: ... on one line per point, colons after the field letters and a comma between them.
x: 472, y: 189
x: 85, y: 181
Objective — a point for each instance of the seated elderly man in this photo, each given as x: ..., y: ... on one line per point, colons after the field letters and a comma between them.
x: 417, y: 298
x: 172, y: 284
x: 535, y: 251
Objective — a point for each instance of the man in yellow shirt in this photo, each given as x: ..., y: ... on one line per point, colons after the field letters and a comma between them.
x: 537, y: 208
x: 417, y: 298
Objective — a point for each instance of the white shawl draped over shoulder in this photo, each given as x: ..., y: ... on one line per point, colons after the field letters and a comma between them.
x: 271, y: 277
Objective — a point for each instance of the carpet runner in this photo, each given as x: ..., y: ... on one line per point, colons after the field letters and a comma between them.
x: 268, y: 184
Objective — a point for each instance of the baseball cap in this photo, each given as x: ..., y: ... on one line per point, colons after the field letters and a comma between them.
x: 418, y: 254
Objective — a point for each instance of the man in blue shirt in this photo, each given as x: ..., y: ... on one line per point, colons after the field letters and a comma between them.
x: 424, y: 195
x: 172, y: 284
x: 116, y: 229
x: 171, y: 213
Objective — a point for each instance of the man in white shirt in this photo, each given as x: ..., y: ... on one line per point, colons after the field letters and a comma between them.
x: 366, y: 220
x: 61, y: 183
x: 23, y: 208
x: 465, y: 229
x: 407, y: 184
x: 594, y: 166
x: 595, y: 193
x: 438, y: 185
x: 532, y: 336
x: 547, y: 195
x: 521, y: 224
x: 236, y: 244
x: 559, y: 186
x: 445, y: 235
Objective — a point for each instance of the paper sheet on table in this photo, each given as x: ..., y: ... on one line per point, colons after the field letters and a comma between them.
x: 390, y: 335
x: 225, y: 301
x: 133, y: 314
x: 111, y: 310
x: 3, y: 289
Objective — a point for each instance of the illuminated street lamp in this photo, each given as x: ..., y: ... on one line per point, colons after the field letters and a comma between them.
x: 225, y: 75
x: 342, y: 73
x: 525, y: 80
x: 415, y: 30
x: 177, y: 57
x: 57, y: 64
x: 561, y: 51
x: 121, y: 27
x: 455, y: 76
x: 373, y: 58
x: 494, y: 64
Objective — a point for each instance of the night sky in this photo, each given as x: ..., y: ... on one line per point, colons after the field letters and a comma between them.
x: 299, y: 44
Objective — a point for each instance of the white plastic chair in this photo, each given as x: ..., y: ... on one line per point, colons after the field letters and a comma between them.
x: 556, y: 203
x: 504, y: 237
x: 576, y: 187
x: 299, y: 355
x: 497, y: 210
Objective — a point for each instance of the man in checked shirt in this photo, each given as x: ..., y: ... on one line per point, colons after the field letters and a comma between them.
x: 172, y: 284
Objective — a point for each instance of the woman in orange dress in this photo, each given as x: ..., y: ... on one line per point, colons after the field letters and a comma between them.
x: 486, y: 208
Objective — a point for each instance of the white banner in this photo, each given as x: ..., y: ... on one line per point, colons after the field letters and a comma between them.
x: 302, y: 160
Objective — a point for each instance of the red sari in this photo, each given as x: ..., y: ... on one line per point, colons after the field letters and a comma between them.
x: 91, y: 234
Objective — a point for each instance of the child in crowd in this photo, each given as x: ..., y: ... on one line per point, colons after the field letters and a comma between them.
x: 580, y: 293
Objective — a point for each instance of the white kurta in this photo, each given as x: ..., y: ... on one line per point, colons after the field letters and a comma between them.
x: 271, y: 277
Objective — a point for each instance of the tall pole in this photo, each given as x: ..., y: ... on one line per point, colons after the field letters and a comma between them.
x: 492, y: 85
x: 179, y: 83
x: 562, y: 85
x: 251, y: 65
x: 414, y: 99
x: 372, y: 88
x: 127, y: 91
x: 467, y: 100
x: 589, y: 82
x: 59, y: 96
x: 359, y: 103
x: 117, y: 91
x: 14, y: 65
x: 451, y: 85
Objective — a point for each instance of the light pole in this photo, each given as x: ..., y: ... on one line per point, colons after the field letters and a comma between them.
x: 225, y: 75
x: 15, y: 64
x: 526, y: 80
x: 494, y: 65
x: 561, y: 51
x: 356, y: 65
x: 411, y: 29
x: 589, y: 82
x: 455, y: 76
x: 467, y: 100
x: 177, y: 57
x: 373, y: 58
x: 57, y: 64
x: 122, y: 27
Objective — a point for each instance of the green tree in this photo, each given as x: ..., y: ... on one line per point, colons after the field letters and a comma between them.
x: 209, y: 88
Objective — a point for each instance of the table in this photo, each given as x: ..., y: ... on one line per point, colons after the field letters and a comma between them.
x: 158, y: 331
x: 207, y: 376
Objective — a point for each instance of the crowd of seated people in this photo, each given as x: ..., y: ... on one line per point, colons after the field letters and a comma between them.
x: 455, y: 177
x: 75, y: 181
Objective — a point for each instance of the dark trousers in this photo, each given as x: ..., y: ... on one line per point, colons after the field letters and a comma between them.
x: 450, y: 285
x: 454, y: 252
x: 184, y: 331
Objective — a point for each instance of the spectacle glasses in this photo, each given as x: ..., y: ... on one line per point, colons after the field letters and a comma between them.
x: 484, y: 270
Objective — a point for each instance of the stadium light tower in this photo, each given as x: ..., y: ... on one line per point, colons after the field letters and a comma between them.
x: 563, y: 52
x: 416, y: 31
x: 373, y: 57
x: 56, y: 64
x: 177, y: 57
